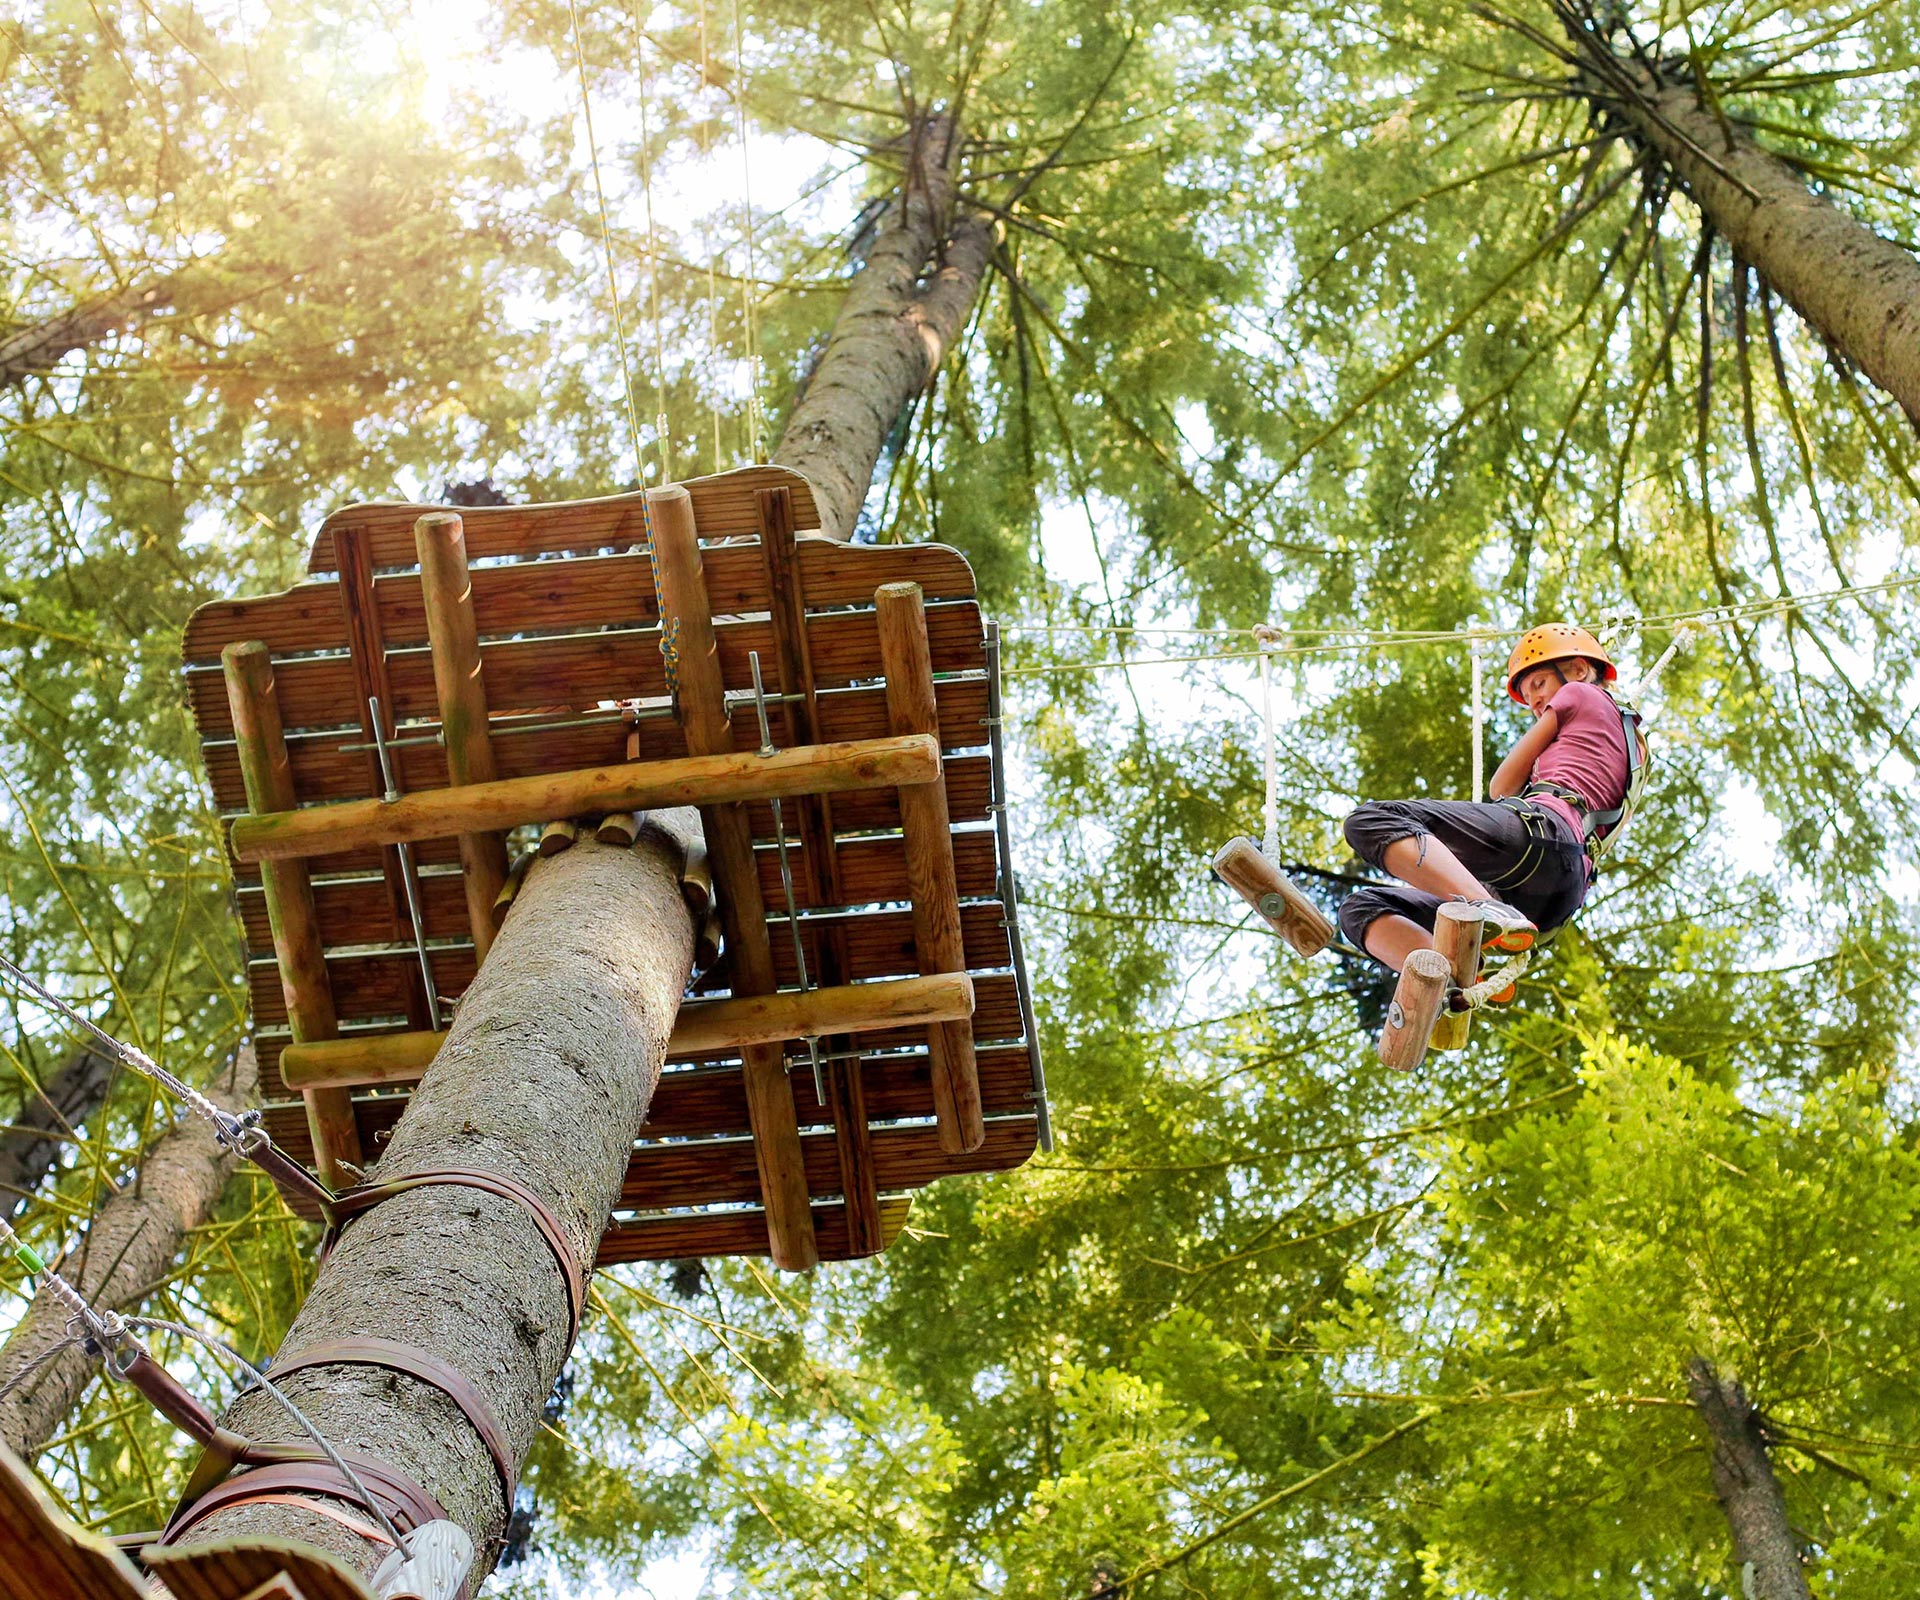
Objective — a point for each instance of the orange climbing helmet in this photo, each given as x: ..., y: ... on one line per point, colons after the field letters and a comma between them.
x: 1555, y: 641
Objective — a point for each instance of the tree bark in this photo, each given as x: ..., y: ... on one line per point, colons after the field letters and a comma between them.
x: 1743, y: 1478
x: 37, y: 346
x: 903, y: 310
x: 31, y: 1145
x: 545, y: 1077
x: 130, y: 1246
x: 1860, y: 291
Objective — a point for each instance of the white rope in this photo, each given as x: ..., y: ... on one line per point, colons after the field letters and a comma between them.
x: 1271, y: 814
x: 1479, y: 994
x: 1479, y: 725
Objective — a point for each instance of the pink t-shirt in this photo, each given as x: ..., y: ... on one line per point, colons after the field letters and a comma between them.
x: 1588, y: 753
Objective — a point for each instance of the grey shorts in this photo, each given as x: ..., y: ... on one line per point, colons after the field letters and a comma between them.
x: 1525, y: 852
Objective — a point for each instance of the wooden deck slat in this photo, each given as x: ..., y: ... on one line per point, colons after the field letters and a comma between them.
x: 577, y: 671
x: 542, y: 596
x: 735, y: 1233
x: 323, y: 771
x: 871, y: 870
x: 722, y: 1171
x: 711, y: 1101
x: 996, y: 1015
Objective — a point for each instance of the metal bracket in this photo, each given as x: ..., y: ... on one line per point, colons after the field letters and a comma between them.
x: 432, y: 1564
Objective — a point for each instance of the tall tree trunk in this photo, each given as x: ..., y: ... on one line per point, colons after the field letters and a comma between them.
x: 38, y: 345
x: 130, y: 1247
x: 1743, y: 1478
x: 902, y: 312
x: 545, y: 1077
x: 47, y: 1116
x: 1861, y: 291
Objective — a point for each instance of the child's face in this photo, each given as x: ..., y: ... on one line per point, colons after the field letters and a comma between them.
x: 1543, y: 682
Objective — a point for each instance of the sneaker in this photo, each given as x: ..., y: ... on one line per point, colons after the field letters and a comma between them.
x: 1506, y: 929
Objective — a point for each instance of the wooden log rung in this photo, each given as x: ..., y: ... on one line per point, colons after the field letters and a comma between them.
x: 630, y: 786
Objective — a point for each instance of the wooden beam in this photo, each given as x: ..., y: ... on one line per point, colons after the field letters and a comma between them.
x: 1242, y: 867
x: 1417, y: 1000
x: 289, y: 895
x: 704, y: 1027
x: 844, y: 1075
x: 1456, y: 935
x: 700, y: 701
x: 908, y: 663
x: 441, y: 540
x: 706, y: 780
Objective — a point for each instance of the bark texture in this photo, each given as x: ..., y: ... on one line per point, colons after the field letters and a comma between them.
x: 903, y: 310
x: 30, y: 1145
x: 1861, y: 291
x: 1743, y: 1478
x: 130, y: 1247
x: 37, y: 346
x: 545, y: 1077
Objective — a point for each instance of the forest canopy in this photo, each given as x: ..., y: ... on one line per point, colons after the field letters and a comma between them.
x: 1274, y: 367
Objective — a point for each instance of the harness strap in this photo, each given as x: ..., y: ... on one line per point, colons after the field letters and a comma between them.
x: 426, y: 1368
x: 354, y: 1201
x: 292, y: 1470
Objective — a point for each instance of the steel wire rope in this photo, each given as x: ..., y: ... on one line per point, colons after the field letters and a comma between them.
x: 662, y: 438
x: 756, y: 417
x: 606, y: 241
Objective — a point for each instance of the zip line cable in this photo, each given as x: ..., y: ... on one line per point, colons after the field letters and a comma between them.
x: 662, y: 438
x: 1330, y: 639
x: 606, y: 241
x: 756, y: 417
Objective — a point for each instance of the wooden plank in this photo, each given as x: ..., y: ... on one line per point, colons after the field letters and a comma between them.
x: 723, y: 506
x: 46, y: 1556
x: 460, y: 687
x: 870, y: 869
x: 701, y: 1028
x: 735, y: 1233
x: 576, y: 671
x: 631, y: 786
x: 236, y: 1569
x: 707, y: 1101
x: 323, y: 771
x: 902, y: 627
x: 305, y: 988
x: 723, y: 1171
x: 370, y: 982
x: 780, y: 1176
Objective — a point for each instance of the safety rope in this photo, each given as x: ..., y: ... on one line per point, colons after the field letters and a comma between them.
x: 662, y: 437
x: 1478, y: 995
x: 1269, y: 639
x: 756, y: 416
x: 606, y: 242
x: 1479, y: 723
x: 1271, y: 813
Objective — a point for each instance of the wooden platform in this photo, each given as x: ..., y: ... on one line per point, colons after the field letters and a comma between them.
x: 566, y: 607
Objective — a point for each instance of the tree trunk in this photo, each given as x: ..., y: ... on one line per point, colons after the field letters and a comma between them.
x: 545, y: 1077
x: 903, y: 310
x: 1743, y: 1478
x: 130, y: 1247
x: 31, y: 1145
x: 37, y: 346
x: 1861, y: 291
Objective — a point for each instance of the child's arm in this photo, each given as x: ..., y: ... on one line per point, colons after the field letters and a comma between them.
x: 1512, y: 774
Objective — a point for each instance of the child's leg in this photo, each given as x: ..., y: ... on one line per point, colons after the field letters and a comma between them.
x: 1389, y: 922
x: 1448, y: 848
x: 1425, y: 862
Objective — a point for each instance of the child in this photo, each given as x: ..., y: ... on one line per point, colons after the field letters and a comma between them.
x: 1525, y: 857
